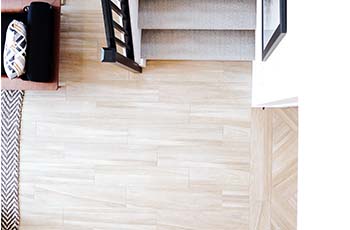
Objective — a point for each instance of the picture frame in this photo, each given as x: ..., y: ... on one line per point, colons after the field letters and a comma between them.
x: 274, y: 25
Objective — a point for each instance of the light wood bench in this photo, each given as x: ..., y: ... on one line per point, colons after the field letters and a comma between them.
x: 13, y: 6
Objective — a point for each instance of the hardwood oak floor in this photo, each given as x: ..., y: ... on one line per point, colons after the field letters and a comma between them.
x: 165, y: 150
x: 169, y: 149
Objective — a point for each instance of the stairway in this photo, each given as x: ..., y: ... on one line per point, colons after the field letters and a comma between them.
x: 197, y: 29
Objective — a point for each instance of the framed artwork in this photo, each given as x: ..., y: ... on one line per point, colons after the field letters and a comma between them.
x: 274, y: 25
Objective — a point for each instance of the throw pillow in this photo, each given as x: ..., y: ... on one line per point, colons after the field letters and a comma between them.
x: 15, y: 49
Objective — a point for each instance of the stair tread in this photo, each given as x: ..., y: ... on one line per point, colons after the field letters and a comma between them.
x: 197, y: 14
x: 198, y: 45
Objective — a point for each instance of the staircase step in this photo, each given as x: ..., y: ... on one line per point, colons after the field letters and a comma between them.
x: 216, y: 45
x: 197, y: 14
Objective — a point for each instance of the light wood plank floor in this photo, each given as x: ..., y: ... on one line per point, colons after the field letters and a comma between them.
x: 166, y: 150
x: 274, y: 161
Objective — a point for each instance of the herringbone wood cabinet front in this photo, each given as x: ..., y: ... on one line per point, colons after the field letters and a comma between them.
x: 274, y: 163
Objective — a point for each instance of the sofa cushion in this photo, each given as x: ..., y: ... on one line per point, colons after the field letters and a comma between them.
x: 40, y: 42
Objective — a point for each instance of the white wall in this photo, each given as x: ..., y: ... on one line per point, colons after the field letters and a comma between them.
x: 277, y: 78
x: 136, y: 32
x: 314, y: 57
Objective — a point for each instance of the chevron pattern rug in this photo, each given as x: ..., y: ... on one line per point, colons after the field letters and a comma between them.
x: 11, y: 108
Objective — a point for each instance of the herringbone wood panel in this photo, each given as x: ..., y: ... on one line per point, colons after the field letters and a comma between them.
x: 273, y: 177
x: 284, y: 169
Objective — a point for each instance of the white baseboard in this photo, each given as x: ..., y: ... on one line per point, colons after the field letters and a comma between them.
x: 143, y: 62
x: 288, y: 102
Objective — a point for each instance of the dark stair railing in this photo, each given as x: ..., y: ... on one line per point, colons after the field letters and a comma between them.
x: 110, y: 53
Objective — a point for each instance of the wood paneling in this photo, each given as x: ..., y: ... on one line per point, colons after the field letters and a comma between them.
x: 284, y: 169
x: 274, y: 154
x: 168, y: 149
x: 260, y: 175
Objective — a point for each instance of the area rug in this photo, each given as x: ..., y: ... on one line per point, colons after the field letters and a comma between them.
x: 11, y: 108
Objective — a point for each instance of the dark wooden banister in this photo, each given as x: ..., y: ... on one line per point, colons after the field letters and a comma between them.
x: 110, y: 53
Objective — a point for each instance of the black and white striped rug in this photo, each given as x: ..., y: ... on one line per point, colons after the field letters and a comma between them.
x: 11, y: 108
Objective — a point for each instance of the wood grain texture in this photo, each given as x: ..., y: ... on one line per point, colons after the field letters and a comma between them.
x: 261, y: 169
x: 274, y: 154
x: 168, y: 149
x: 284, y: 169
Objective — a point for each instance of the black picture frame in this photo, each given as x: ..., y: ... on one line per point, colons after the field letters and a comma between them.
x: 278, y: 34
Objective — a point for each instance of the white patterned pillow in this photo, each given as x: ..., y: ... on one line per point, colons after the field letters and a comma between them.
x: 15, y: 49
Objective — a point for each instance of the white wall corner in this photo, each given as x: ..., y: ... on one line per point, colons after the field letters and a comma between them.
x: 275, y: 82
x: 143, y: 62
x: 135, y: 30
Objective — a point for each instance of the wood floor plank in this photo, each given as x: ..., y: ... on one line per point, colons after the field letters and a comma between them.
x: 173, y: 148
x: 193, y: 156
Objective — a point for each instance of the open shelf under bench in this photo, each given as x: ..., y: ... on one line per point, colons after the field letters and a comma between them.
x: 20, y: 84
